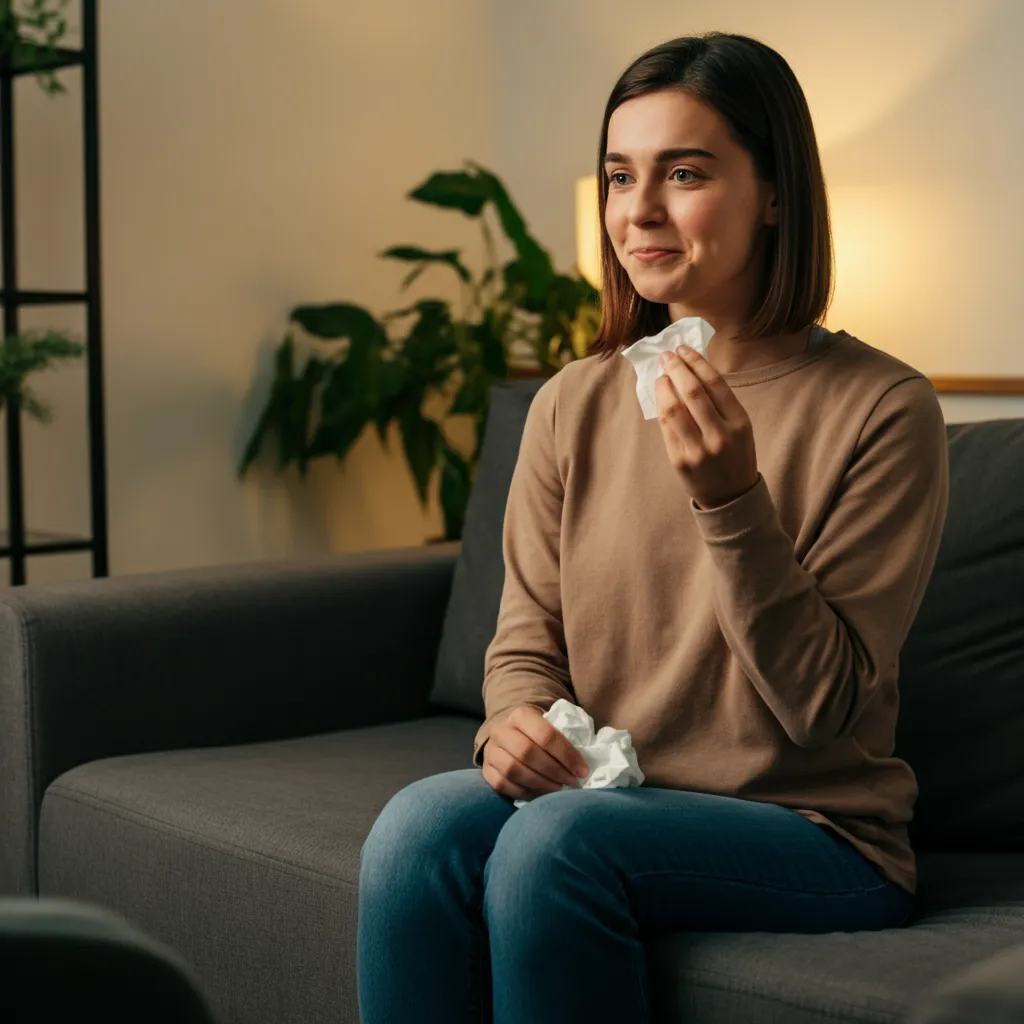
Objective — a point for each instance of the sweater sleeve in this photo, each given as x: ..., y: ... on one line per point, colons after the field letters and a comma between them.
x: 527, y: 661
x: 818, y: 637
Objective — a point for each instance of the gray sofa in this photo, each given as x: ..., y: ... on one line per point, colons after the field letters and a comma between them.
x: 204, y: 752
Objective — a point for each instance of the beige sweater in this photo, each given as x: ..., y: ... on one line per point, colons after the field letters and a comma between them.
x: 751, y: 650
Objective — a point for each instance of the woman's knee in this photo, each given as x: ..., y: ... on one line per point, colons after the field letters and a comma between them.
x: 425, y: 820
x: 545, y: 838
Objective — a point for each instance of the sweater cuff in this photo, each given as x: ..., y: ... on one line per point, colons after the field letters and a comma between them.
x: 737, y: 518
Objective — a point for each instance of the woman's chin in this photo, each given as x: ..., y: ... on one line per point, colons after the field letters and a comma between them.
x: 663, y: 295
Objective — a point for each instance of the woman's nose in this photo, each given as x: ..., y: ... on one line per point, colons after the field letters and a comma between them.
x: 645, y: 207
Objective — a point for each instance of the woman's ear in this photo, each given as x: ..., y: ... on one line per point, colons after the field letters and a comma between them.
x: 771, y: 206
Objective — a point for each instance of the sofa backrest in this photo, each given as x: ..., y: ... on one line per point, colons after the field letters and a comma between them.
x: 472, y: 612
x: 961, y: 725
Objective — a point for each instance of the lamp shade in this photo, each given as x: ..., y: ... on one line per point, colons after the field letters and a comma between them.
x: 588, y: 230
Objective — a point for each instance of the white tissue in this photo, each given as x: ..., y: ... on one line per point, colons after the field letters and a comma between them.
x: 609, y: 755
x: 643, y: 354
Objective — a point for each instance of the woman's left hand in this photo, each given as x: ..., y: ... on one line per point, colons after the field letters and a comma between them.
x: 707, y: 433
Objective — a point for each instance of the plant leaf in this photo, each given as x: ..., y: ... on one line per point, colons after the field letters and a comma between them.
x: 412, y: 275
x: 536, y: 263
x: 336, y: 320
x: 414, y: 254
x: 391, y: 379
x: 252, y: 448
x: 469, y: 398
x: 492, y: 348
x: 421, y: 440
x: 454, y: 491
x: 345, y: 411
x: 429, y: 347
x: 453, y: 190
x: 302, y: 397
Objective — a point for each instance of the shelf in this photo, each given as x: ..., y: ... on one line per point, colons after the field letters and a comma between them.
x: 23, y: 57
x: 523, y: 372
x: 45, y: 542
x: 62, y: 57
x: 21, y: 298
x: 961, y: 385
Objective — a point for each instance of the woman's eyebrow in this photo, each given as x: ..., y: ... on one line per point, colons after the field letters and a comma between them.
x: 663, y: 157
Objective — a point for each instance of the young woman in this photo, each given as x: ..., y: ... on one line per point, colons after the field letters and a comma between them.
x: 731, y: 584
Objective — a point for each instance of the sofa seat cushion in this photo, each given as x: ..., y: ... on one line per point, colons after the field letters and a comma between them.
x: 243, y: 859
x: 246, y: 861
x: 969, y: 907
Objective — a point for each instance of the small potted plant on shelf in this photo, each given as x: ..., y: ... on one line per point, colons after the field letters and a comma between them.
x: 29, y: 33
x: 368, y: 370
x: 29, y: 352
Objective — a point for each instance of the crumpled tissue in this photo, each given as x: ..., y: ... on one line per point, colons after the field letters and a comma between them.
x: 609, y: 755
x: 643, y: 354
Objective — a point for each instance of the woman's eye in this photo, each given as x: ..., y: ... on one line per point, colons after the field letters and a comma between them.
x: 679, y: 170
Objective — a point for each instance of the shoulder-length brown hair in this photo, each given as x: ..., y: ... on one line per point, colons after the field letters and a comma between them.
x: 755, y: 91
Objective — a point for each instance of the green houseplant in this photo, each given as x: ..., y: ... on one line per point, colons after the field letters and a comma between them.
x: 30, y: 352
x: 371, y: 370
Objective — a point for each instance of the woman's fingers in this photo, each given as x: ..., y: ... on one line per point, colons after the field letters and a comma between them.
x: 501, y: 785
x: 551, y: 754
x: 522, y: 774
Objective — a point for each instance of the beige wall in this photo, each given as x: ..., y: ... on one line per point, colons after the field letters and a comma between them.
x: 917, y: 110
x: 256, y: 155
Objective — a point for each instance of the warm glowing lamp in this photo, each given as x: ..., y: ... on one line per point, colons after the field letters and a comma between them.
x: 588, y: 230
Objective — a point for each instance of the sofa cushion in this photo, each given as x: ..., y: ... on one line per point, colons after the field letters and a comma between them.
x: 472, y: 613
x: 246, y: 861
x: 969, y: 907
x: 961, y: 723
x: 990, y: 991
x: 243, y: 859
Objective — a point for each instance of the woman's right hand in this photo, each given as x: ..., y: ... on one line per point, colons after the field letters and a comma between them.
x: 526, y: 756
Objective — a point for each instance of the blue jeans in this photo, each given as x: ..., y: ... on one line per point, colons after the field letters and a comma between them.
x: 471, y: 910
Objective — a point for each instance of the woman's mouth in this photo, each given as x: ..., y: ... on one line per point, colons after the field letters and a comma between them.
x: 655, y: 255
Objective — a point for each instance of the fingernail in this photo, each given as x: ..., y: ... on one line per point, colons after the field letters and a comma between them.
x: 666, y: 358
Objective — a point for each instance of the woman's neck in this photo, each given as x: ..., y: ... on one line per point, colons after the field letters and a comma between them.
x: 728, y: 355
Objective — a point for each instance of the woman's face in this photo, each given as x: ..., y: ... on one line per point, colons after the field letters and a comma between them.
x: 704, y: 202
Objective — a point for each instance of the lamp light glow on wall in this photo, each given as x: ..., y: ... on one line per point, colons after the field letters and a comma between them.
x: 890, y: 262
x: 588, y: 230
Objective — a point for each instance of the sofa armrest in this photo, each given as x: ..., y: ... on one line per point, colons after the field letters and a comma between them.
x: 207, y: 657
x: 991, y: 990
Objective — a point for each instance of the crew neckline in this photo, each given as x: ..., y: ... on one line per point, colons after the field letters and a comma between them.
x: 820, y: 340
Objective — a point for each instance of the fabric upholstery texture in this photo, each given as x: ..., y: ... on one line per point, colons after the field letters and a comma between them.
x: 961, y: 723
x: 472, y: 610
x: 991, y: 990
x: 214, y: 746
x: 199, y: 657
x: 246, y: 860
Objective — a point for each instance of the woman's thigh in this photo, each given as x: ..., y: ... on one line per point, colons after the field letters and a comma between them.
x: 703, y: 862
x: 453, y: 815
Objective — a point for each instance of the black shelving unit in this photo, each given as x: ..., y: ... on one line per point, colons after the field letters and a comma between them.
x: 18, y: 543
